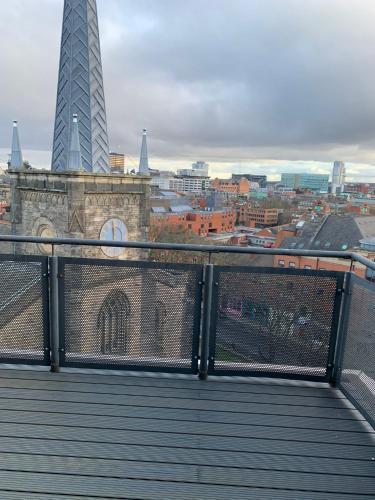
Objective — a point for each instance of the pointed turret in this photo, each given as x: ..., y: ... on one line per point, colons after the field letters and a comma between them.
x: 143, y: 163
x: 16, y: 160
x: 74, y: 153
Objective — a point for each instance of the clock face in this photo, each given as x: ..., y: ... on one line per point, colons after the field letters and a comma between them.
x: 113, y: 230
x: 46, y: 231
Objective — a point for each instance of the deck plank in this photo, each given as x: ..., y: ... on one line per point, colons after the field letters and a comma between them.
x: 76, y: 435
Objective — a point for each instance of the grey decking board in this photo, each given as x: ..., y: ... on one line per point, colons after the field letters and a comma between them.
x: 255, y: 437
x: 251, y: 494
x: 193, y: 428
x: 286, y: 408
x: 195, y: 394
x: 207, y: 458
x: 118, y: 389
x: 169, y: 414
x: 195, y: 385
x: 193, y: 474
x: 186, y: 441
x: 125, y: 488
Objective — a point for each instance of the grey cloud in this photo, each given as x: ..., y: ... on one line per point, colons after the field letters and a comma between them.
x: 222, y: 79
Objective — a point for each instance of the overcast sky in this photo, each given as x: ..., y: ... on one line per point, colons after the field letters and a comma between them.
x: 247, y: 85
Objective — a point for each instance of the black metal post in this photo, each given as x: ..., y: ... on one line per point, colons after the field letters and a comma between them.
x: 341, y: 336
x: 206, y: 322
x: 54, y: 313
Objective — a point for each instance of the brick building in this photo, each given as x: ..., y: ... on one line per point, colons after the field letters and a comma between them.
x: 240, y: 186
x: 199, y: 222
x: 257, y: 217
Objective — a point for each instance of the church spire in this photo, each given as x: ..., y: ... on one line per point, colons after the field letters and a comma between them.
x: 74, y: 154
x: 16, y: 160
x: 143, y: 163
x: 80, y: 90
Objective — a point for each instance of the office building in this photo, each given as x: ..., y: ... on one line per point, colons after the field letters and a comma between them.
x: 260, y: 179
x: 338, y: 177
x: 312, y: 182
x: 117, y: 163
x: 198, y: 169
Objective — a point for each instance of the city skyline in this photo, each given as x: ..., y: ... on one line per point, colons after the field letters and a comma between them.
x: 214, y: 97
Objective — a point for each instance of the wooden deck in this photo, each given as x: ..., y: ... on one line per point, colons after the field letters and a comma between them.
x: 78, y: 435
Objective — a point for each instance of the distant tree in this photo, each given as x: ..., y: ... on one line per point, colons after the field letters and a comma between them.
x: 175, y: 234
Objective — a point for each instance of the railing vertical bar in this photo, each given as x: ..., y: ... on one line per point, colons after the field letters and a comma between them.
x: 206, y: 322
x: 343, y: 328
x: 54, y: 313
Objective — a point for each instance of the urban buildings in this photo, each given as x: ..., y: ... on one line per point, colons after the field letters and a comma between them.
x: 260, y: 179
x: 162, y: 179
x: 117, y: 163
x: 235, y: 187
x: 312, y: 182
x: 331, y: 232
x: 338, y: 177
x: 189, y: 184
x: 198, y: 169
x: 200, y: 222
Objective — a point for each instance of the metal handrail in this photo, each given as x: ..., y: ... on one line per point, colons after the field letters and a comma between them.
x: 192, y: 248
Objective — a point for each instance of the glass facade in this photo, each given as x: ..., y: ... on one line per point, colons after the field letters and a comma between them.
x: 315, y: 182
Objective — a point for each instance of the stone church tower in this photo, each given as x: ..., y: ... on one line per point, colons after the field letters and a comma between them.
x: 123, y: 311
x: 79, y: 198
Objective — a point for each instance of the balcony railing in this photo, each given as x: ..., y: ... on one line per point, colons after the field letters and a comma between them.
x: 189, y: 318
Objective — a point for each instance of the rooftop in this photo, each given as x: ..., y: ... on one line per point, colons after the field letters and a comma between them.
x: 83, y: 435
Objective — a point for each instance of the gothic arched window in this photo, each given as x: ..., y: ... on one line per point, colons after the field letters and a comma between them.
x: 160, y: 321
x: 113, y: 323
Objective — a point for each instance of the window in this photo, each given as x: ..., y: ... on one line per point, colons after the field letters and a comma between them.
x: 281, y: 263
x: 292, y: 264
x: 113, y: 323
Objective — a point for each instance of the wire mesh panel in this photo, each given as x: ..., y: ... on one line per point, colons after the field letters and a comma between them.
x: 130, y: 315
x: 24, y: 322
x: 274, y: 322
x: 358, y: 367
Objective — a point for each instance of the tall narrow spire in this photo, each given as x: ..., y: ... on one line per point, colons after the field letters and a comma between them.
x: 80, y: 89
x: 74, y: 155
x: 16, y: 159
x: 143, y: 163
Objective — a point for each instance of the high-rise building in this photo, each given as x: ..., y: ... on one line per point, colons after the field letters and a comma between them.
x: 338, y: 177
x: 313, y: 182
x: 198, y: 169
x: 80, y: 90
x: 117, y: 163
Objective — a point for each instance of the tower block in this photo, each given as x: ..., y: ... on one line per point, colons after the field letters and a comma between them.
x: 80, y: 90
